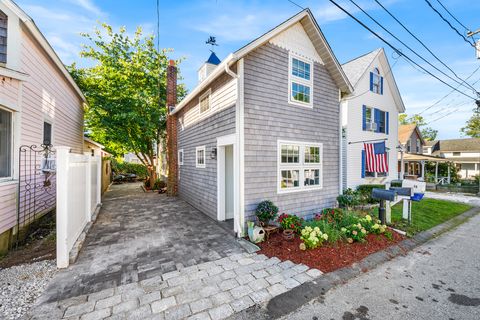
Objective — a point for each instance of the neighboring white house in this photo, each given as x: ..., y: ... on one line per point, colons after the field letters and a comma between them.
x: 465, y: 153
x: 369, y: 114
x: 131, y: 157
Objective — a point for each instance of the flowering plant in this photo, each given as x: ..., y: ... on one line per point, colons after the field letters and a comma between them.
x: 290, y: 221
x: 354, y: 232
x: 312, y: 237
x: 330, y: 215
x: 373, y: 225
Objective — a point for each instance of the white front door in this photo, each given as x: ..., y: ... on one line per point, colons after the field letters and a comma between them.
x: 229, y: 177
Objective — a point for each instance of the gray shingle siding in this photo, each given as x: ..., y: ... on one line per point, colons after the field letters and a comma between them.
x: 269, y: 117
x: 198, y: 186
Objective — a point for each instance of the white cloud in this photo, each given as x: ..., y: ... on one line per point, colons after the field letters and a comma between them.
x: 89, y: 6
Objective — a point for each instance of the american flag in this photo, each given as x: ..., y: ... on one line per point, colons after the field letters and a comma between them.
x: 376, y: 157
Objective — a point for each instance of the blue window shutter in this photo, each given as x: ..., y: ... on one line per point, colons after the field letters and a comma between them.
x: 381, y: 85
x: 371, y: 81
x: 387, y: 122
x: 363, y: 163
x: 364, y: 118
x: 377, y: 119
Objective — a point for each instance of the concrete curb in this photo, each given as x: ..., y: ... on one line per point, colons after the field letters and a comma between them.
x: 290, y: 301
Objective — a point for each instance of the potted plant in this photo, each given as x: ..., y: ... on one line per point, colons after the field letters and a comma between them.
x: 290, y: 224
x: 265, y: 212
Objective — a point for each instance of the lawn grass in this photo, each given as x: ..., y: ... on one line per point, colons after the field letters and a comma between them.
x: 426, y: 214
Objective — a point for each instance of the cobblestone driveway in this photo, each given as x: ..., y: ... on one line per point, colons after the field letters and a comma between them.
x: 149, y: 256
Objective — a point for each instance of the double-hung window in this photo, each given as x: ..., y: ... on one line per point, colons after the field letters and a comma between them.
x: 300, y: 81
x: 200, y: 158
x: 299, y: 166
x: 381, y: 122
x: 5, y: 143
x: 3, y: 37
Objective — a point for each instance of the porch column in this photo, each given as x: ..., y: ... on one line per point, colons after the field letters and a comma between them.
x: 448, y: 170
x: 436, y: 172
x: 402, y: 166
x: 423, y: 170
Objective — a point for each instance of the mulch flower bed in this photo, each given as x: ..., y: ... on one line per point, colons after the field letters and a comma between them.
x: 328, y: 257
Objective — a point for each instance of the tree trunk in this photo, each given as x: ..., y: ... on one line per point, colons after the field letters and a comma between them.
x: 152, y: 175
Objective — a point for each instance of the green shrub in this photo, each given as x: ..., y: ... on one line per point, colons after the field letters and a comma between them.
x: 348, y: 199
x: 126, y: 167
x: 330, y: 229
x: 365, y: 192
x: 348, y: 218
x: 396, y: 183
x: 266, y: 211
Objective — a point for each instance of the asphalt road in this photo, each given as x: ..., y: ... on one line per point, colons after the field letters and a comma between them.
x: 438, y: 280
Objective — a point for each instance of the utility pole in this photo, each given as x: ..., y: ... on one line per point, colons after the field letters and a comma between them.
x: 477, y: 42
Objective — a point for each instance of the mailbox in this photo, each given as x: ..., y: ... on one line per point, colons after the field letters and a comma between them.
x: 382, y: 194
x: 403, y: 191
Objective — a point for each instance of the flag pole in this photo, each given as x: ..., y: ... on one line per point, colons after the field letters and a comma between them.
x: 363, y: 141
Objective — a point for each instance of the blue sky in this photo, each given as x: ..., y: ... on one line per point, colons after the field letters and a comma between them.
x: 185, y: 25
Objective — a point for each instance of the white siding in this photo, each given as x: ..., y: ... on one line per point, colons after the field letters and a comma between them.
x: 352, y: 120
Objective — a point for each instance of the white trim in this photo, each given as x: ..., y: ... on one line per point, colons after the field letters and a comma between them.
x: 205, y: 94
x: 180, y: 159
x: 240, y: 151
x: 300, y: 166
x: 298, y: 80
x: 14, y: 74
x: 197, y: 165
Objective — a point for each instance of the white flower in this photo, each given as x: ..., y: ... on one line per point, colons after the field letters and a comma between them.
x: 325, y: 236
x: 368, y: 217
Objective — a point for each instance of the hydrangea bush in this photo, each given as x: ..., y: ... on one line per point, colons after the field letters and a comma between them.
x: 312, y: 237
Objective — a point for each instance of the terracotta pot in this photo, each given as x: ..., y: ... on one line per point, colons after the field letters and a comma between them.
x: 288, y: 234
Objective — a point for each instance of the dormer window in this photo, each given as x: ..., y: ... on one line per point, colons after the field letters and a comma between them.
x: 376, y: 81
x: 300, y: 81
x: 3, y: 37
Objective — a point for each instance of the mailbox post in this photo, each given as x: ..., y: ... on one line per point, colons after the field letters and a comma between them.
x: 383, y: 195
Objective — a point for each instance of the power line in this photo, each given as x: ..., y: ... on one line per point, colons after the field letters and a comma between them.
x: 450, y: 25
x: 366, y: 91
x: 442, y: 98
x: 451, y: 15
x: 296, y: 4
x: 395, y: 49
x: 424, y: 45
x: 453, y: 111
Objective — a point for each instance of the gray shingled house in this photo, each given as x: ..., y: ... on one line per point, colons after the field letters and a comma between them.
x: 262, y: 124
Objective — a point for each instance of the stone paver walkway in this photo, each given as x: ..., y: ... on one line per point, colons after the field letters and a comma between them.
x: 149, y: 256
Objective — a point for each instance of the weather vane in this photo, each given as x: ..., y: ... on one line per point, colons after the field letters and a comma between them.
x: 211, y: 41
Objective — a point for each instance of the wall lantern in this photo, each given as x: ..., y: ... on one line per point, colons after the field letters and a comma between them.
x: 213, y: 154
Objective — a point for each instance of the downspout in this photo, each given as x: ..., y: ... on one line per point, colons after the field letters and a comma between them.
x: 238, y: 220
x: 340, y: 126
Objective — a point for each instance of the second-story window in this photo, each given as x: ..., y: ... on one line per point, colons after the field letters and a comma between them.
x: 3, y: 37
x: 301, y: 82
x: 376, y: 81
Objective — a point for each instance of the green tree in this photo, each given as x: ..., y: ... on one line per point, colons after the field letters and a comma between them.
x: 472, y: 126
x: 126, y: 92
x: 427, y: 132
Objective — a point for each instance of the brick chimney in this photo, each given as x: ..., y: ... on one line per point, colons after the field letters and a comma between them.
x: 172, y: 154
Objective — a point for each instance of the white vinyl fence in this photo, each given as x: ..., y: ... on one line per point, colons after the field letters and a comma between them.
x: 78, y: 196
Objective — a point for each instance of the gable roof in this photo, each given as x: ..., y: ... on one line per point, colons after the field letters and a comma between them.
x: 39, y: 37
x: 405, y: 131
x: 305, y: 17
x: 359, y: 67
x: 467, y: 144
x: 354, y: 69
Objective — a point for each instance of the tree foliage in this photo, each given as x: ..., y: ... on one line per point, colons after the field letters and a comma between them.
x: 472, y: 126
x: 427, y: 132
x: 126, y: 92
